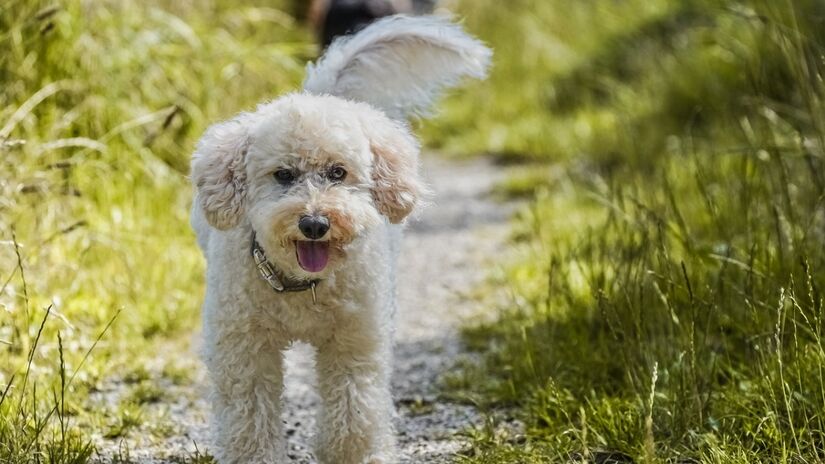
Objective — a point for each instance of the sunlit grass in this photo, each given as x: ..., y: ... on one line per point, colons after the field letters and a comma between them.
x: 507, y: 114
x: 101, y: 105
x: 666, y: 299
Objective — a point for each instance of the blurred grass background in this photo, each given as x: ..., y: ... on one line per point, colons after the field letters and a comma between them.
x: 666, y: 296
x: 666, y: 304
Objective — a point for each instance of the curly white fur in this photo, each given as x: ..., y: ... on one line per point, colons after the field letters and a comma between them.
x: 247, y: 326
x: 399, y: 64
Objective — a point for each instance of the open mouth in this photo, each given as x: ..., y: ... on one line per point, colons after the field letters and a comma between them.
x: 312, y: 255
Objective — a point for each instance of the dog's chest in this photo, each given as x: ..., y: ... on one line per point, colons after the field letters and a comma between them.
x: 297, y: 317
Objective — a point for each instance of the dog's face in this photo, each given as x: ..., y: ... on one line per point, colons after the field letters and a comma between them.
x: 310, y: 174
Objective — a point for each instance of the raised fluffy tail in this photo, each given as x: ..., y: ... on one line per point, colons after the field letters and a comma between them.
x: 399, y: 64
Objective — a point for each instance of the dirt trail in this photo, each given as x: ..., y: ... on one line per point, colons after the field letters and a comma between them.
x: 445, y: 256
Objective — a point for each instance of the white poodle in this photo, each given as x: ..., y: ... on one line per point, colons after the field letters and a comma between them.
x: 298, y: 211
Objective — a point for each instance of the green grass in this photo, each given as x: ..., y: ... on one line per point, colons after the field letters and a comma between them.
x: 100, y: 108
x: 666, y: 292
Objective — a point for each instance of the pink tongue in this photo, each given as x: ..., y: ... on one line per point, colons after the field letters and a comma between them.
x: 312, y: 256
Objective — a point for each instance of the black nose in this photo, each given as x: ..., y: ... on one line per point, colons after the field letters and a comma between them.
x: 313, y: 227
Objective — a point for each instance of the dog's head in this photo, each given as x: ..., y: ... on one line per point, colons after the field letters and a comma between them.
x: 310, y: 174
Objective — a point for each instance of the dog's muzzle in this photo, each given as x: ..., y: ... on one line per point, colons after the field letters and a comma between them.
x: 313, y: 254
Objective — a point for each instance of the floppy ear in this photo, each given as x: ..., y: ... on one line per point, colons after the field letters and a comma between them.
x: 399, y: 64
x: 218, y: 171
x: 396, y: 186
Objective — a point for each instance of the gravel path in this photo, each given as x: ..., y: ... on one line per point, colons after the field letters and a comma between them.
x: 445, y: 255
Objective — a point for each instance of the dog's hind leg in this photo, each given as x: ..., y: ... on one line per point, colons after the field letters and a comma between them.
x: 246, y: 369
x: 356, y: 415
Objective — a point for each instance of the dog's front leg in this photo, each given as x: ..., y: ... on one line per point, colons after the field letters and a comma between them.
x: 246, y: 369
x: 356, y: 415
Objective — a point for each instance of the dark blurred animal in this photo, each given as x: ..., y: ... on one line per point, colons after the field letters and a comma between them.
x: 333, y: 18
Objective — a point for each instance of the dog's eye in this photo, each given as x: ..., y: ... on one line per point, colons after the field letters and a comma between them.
x: 284, y: 176
x: 337, y: 174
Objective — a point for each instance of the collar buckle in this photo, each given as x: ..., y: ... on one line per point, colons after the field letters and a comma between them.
x: 265, y: 269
